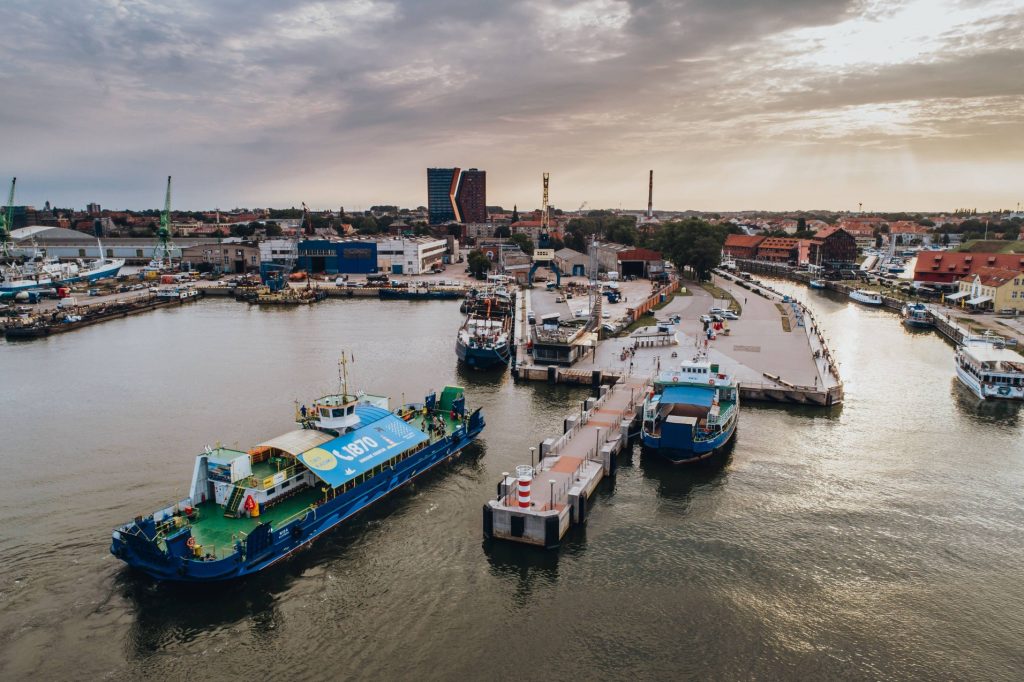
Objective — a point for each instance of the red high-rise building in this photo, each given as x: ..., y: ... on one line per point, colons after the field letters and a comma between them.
x: 472, y: 196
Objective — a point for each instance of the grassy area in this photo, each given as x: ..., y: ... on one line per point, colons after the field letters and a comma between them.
x: 719, y: 293
x: 992, y: 246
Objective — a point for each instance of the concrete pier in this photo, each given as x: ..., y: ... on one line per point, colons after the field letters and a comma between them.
x: 540, y: 502
x: 776, y: 350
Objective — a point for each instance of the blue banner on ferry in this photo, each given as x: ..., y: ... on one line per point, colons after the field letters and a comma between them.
x: 338, y: 461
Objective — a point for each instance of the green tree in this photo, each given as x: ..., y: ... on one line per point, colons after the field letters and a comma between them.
x: 945, y: 238
x: 244, y: 229
x: 503, y: 232
x: 478, y: 263
x: 273, y: 229
x: 693, y: 244
x: 523, y: 241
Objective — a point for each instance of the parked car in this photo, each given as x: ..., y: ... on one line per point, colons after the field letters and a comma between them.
x: 716, y: 311
x: 705, y: 318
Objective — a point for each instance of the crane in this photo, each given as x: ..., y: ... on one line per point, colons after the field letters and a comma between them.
x: 544, y: 206
x: 6, y: 221
x: 306, y: 221
x: 164, y: 246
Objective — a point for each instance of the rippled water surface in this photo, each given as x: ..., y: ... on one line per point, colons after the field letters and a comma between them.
x: 881, y: 540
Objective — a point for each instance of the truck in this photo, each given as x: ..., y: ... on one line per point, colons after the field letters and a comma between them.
x: 67, y: 302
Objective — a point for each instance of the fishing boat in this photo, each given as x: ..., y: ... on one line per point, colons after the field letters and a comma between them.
x: 246, y: 511
x: 917, y: 315
x: 691, y: 413
x: 485, y: 338
x: 866, y: 297
x: 991, y: 371
x: 816, y: 284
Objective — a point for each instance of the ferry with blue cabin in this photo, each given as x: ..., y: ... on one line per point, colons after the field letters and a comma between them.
x: 691, y: 413
x: 246, y: 511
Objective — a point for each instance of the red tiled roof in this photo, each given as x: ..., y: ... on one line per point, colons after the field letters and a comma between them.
x: 638, y: 254
x: 779, y: 243
x: 993, y: 277
x: 747, y: 240
x: 964, y: 263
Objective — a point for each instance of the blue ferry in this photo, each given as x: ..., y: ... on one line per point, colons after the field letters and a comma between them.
x: 691, y: 413
x: 248, y: 510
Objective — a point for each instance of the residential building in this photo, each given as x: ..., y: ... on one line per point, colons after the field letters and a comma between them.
x: 742, y: 245
x: 471, y: 197
x: 990, y: 288
x: 947, y: 267
x: 442, y: 187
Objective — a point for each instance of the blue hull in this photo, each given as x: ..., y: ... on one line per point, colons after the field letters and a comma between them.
x: 483, y: 358
x: 266, y: 546
x: 105, y: 272
x: 684, y: 452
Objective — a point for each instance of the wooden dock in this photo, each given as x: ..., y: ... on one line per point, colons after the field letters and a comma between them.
x: 541, y: 501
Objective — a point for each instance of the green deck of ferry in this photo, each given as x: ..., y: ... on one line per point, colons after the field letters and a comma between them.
x: 215, y: 531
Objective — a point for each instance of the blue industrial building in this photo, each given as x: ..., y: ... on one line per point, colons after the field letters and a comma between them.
x: 344, y: 257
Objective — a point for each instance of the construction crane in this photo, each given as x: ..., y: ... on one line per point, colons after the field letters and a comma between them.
x: 164, y: 246
x: 307, y: 222
x: 7, y: 222
x: 544, y: 206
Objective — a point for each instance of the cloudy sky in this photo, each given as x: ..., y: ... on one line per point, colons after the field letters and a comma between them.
x: 735, y: 104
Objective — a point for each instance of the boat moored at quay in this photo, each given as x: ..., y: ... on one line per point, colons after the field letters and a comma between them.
x: 485, y: 338
x: 917, y: 315
x: 248, y: 510
x: 990, y: 371
x: 690, y: 414
x: 866, y: 297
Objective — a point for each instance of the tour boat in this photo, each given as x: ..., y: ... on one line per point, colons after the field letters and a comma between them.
x: 990, y: 371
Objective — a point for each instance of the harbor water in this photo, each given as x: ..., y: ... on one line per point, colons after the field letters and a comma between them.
x: 880, y: 540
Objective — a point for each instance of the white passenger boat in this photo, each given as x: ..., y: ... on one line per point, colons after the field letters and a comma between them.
x: 990, y: 371
x: 866, y: 297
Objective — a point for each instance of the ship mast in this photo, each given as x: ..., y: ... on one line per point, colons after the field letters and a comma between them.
x: 6, y: 222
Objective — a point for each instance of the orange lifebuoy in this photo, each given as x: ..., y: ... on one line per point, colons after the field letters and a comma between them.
x: 711, y: 382
x: 191, y: 543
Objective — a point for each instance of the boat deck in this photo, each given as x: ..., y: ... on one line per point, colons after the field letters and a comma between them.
x: 213, y: 530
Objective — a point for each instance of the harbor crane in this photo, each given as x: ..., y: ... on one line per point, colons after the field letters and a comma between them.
x: 307, y: 221
x: 544, y: 218
x: 164, y: 246
x: 7, y: 223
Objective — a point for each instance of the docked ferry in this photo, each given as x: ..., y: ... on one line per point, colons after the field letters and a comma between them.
x: 917, y: 315
x: 990, y: 371
x: 248, y: 510
x: 691, y: 413
x: 866, y: 297
x: 485, y: 339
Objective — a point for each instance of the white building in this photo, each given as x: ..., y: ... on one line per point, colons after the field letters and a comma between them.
x: 410, y: 255
x: 280, y: 251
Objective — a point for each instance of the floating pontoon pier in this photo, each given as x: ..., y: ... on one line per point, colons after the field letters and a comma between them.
x: 539, y: 503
